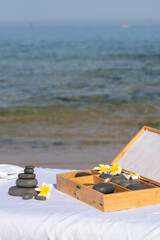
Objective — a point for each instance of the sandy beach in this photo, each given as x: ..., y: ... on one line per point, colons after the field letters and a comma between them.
x: 85, y: 157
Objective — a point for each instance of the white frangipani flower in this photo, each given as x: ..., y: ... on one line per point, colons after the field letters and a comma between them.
x: 131, y: 176
x: 102, y: 168
x: 44, y: 190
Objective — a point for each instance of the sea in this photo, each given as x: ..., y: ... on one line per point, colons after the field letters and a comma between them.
x: 89, y: 84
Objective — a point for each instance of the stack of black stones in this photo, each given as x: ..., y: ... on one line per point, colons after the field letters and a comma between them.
x: 26, y: 184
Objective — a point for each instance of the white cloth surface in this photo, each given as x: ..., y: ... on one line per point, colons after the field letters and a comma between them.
x: 62, y: 217
x: 8, y: 171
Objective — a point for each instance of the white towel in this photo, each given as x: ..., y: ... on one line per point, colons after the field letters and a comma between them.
x: 8, y: 171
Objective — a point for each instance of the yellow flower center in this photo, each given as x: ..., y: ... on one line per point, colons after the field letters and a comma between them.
x: 44, y: 190
x: 114, y: 168
x: 103, y: 168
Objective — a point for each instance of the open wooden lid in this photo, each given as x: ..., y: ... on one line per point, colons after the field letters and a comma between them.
x: 142, y: 154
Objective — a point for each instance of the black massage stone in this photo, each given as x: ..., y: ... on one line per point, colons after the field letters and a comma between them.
x: 126, y: 182
x: 105, y: 176
x: 40, y: 198
x: 29, y: 170
x: 139, y: 186
x: 118, y: 178
x: 104, y: 188
x: 26, y: 176
x: 82, y: 174
x: 26, y: 183
x: 29, y: 166
x: 27, y: 196
x: 18, y: 191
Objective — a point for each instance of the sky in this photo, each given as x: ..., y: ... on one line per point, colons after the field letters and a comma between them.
x: 78, y: 10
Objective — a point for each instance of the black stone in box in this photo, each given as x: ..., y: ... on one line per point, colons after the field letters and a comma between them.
x: 104, y: 188
x: 122, y: 181
x: 105, y: 176
x: 126, y: 183
x: 138, y: 186
x: 118, y: 178
x: 114, y: 179
x: 82, y: 174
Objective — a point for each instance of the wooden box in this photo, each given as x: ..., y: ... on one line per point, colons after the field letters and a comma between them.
x: 142, y: 156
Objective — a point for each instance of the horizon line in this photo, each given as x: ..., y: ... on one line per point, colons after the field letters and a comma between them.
x: 111, y: 21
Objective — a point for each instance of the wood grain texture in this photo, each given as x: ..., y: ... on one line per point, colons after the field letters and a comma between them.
x: 80, y: 192
x: 132, y: 199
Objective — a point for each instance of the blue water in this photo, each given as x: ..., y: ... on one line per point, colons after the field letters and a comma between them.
x: 99, y: 67
x: 42, y: 64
